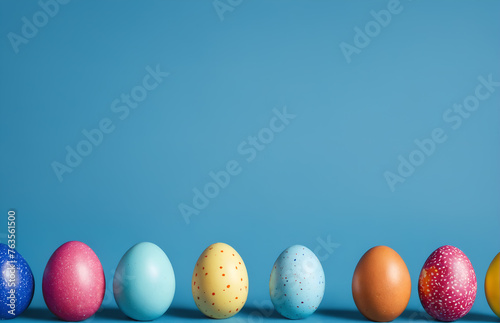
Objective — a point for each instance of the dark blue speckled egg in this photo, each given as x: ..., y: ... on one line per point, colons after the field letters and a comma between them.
x: 16, y: 285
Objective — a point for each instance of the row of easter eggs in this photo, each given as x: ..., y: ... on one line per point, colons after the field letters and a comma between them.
x: 144, y: 283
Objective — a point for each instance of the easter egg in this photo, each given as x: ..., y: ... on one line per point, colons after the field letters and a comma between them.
x: 381, y: 284
x: 16, y: 285
x: 144, y: 282
x: 447, y: 285
x: 297, y: 283
x: 73, y: 282
x: 492, y: 285
x: 220, y: 282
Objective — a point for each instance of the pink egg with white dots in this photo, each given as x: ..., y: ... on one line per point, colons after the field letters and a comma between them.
x: 447, y: 285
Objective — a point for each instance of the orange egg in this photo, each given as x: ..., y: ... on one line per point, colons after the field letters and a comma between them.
x: 381, y: 285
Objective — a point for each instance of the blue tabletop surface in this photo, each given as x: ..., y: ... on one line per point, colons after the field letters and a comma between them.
x: 337, y: 125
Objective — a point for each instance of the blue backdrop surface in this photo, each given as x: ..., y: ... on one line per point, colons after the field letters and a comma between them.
x: 337, y: 125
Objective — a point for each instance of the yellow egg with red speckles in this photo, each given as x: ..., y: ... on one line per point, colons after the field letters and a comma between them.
x: 220, y: 282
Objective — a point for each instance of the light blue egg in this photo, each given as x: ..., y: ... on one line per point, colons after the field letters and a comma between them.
x: 297, y: 283
x: 144, y: 282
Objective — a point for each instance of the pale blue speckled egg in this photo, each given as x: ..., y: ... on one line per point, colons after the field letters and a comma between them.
x: 297, y: 283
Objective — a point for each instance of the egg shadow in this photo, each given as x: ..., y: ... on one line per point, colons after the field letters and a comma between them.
x: 246, y: 311
x: 261, y: 312
x: 38, y: 313
x: 186, y: 313
x: 344, y: 314
x: 420, y: 315
x: 117, y: 315
x: 480, y: 317
x: 413, y: 315
x: 111, y: 313
x: 355, y: 315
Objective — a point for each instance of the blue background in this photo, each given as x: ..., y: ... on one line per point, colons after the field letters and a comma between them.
x: 323, y: 176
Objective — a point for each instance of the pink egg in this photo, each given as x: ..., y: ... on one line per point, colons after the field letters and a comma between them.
x: 73, y: 282
x: 447, y: 285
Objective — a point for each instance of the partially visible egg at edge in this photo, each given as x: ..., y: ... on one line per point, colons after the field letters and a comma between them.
x: 492, y: 285
x: 15, y: 303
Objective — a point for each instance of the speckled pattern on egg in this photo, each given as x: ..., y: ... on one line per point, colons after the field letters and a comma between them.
x: 447, y: 285
x: 220, y: 282
x: 73, y: 282
x: 24, y: 283
x: 297, y: 283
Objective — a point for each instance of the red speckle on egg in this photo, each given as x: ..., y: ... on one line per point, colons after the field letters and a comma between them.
x: 447, y: 285
x: 221, y: 287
